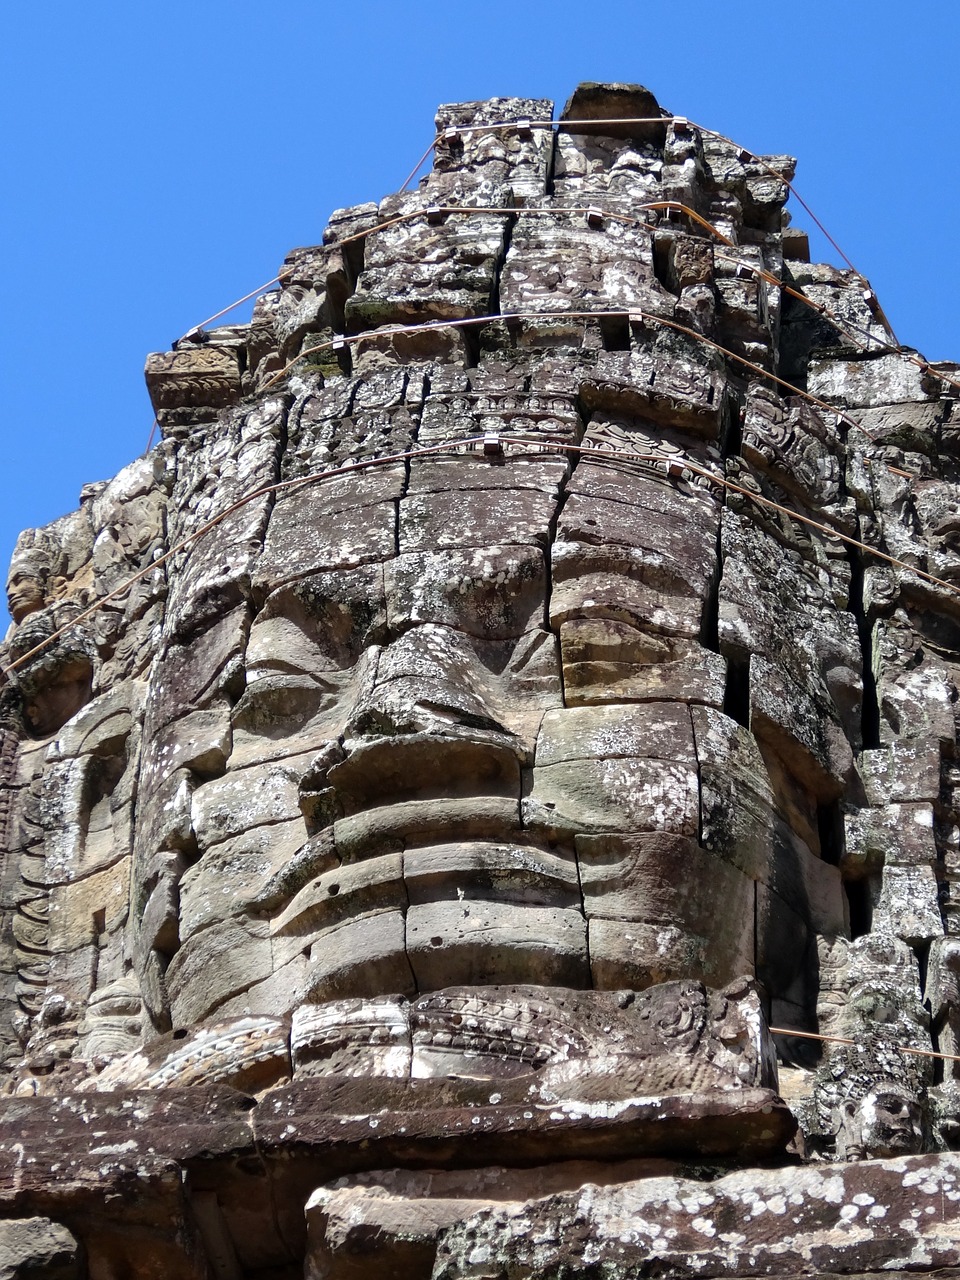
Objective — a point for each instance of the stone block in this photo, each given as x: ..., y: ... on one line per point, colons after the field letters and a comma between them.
x: 497, y: 593
x: 37, y: 1249
x: 891, y: 836
x: 215, y: 964
x: 480, y: 941
x: 901, y: 771
x: 866, y: 383
x: 625, y: 794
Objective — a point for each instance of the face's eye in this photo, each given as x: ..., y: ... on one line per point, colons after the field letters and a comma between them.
x: 322, y: 623
x: 275, y: 706
x: 495, y: 593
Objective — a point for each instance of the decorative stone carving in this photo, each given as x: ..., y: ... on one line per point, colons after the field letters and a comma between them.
x: 486, y: 729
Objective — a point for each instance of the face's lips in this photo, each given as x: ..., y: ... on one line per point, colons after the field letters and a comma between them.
x: 391, y: 769
x: 408, y: 823
x: 413, y: 855
x: 465, y: 873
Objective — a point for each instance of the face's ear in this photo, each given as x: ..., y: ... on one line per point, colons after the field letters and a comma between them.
x: 845, y: 1114
x: 840, y: 1114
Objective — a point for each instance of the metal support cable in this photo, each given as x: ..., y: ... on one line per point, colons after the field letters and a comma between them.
x: 731, y: 486
x: 211, y: 524
x: 558, y: 210
x: 496, y: 125
x: 859, y: 336
x: 568, y: 125
x: 903, y: 1048
x: 233, y: 305
x: 670, y: 204
x: 745, y: 154
x: 203, y: 324
x: 413, y: 172
x: 643, y: 316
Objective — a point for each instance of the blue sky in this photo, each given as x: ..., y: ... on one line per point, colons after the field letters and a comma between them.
x: 160, y: 159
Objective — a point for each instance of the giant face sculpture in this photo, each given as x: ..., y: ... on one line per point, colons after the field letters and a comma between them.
x: 459, y: 722
x: 470, y: 726
x: 404, y: 738
x: 570, y: 710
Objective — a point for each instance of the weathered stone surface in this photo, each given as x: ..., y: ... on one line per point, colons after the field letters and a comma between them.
x: 736, y: 1226
x: 559, y: 263
x: 193, y: 383
x: 866, y: 383
x: 37, y: 1248
x: 509, y: 744
x: 636, y: 888
x: 393, y: 1217
x: 414, y: 271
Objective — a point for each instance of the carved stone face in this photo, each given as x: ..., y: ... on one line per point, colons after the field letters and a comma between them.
x: 542, y: 719
x: 459, y: 738
x: 885, y: 1122
x: 402, y: 732
x: 891, y: 1123
x: 25, y: 580
x: 480, y: 814
x: 24, y: 594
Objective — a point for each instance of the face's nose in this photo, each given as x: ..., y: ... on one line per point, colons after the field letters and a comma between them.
x: 430, y: 722
x: 428, y: 680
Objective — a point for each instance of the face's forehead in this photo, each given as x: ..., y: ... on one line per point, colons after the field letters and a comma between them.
x: 436, y: 572
x: 457, y: 568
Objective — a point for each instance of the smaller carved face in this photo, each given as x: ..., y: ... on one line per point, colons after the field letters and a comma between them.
x: 891, y: 1123
x: 55, y: 689
x: 884, y: 1122
x: 24, y: 594
x: 28, y: 575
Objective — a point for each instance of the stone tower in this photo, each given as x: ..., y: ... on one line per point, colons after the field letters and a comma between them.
x: 479, y: 795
